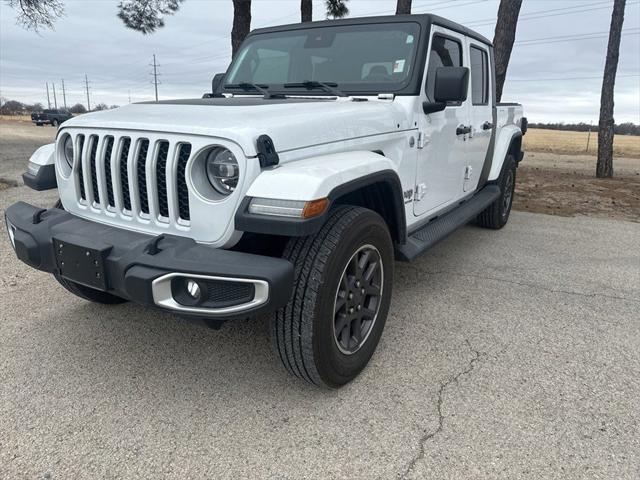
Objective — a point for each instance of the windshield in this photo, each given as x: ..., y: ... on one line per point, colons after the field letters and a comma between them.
x: 373, y: 58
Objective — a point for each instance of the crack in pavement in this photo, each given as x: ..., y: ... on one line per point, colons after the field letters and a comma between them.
x: 522, y: 284
x: 443, y: 386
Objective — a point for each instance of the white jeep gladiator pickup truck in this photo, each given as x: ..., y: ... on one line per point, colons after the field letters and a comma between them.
x: 327, y: 151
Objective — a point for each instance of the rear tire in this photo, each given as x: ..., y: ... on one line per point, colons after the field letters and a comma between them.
x: 332, y: 324
x: 86, y: 293
x: 55, y: 123
x: 496, y: 215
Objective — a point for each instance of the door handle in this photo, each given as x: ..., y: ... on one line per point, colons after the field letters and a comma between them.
x: 463, y: 130
x: 487, y: 126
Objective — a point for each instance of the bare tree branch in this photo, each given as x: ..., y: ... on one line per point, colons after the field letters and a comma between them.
x: 36, y: 14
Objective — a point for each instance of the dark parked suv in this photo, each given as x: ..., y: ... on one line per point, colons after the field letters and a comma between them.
x: 51, y: 117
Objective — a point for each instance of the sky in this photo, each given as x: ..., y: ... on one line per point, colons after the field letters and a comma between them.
x: 555, y: 69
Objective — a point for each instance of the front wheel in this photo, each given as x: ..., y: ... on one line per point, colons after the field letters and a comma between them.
x: 332, y: 324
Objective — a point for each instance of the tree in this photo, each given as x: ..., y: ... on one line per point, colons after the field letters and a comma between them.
x: 12, y: 107
x: 241, y: 24
x: 503, y: 39
x: 604, y: 167
x: 337, y: 8
x: 100, y: 106
x: 34, y: 14
x: 146, y: 16
x: 78, y: 108
x: 403, y: 6
x: 306, y: 10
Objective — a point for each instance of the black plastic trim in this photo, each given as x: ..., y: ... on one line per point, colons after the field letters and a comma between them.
x: 129, y: 268
x: 45, y: 179
x: 293, y: 227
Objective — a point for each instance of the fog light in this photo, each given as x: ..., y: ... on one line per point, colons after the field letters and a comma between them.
x: 11, y: 230
x: 193, y: 289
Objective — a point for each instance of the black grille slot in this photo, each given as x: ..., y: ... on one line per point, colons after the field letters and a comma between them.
x: 108, y: 149
x: 161, y: 178
x: 124, y: 173
x: 141, y: 169
x: 94, y: 171
x: 183, y: 193
x: 83, y: 195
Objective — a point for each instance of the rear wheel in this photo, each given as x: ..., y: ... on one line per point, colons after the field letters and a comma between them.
x: 332, y: 324
x: 496, y: 215
x: 55, y: 123
x: 86, y: 293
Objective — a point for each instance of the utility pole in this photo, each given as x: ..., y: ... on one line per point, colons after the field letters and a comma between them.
x: 55, y: 100
x: 155, y: 75
x: 64, y: 95
x: 48, y: 98
x: 86, y: 86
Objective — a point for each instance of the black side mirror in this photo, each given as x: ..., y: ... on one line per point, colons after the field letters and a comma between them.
x: 451, y: 85
x: 216, y: 82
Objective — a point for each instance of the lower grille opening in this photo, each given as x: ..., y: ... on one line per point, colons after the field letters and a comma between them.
x: 204, y: 293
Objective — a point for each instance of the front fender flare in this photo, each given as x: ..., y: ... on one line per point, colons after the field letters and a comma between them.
x: 327, y: 176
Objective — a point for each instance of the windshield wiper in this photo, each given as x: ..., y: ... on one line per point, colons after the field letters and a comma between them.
x: 311, y: 84
x: 246, y: 86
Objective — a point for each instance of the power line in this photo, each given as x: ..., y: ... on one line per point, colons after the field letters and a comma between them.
x: 570, y: 78
x: 570, y: 39
x: 547, y: 13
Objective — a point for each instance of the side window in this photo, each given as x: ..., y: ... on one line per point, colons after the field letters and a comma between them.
x: 445, y: 52
x: 479, y: 76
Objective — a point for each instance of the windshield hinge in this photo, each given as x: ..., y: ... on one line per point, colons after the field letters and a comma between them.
x: 386, y: 96
x: 421, y: 140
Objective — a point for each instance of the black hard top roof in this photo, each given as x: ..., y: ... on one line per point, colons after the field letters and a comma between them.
x: 426, y: 20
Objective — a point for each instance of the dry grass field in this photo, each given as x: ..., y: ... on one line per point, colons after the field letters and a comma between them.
x: 575, y: 143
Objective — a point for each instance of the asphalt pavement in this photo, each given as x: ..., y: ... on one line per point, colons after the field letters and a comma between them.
x: 509, y: 354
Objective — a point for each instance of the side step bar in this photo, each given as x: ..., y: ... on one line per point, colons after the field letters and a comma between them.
x: 441, y: 227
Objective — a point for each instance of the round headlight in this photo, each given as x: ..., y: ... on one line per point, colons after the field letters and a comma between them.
x: 222, y: 170
x: 68, y: 150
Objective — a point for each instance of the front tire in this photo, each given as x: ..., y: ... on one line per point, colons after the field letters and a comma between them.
x: 496, y: 215
x: 332, y: 324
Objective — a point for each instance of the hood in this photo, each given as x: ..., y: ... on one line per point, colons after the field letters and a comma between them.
x: 292, y: 123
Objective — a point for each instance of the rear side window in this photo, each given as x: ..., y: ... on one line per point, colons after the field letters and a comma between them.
x: 445, y: 52
x: 479, y: 76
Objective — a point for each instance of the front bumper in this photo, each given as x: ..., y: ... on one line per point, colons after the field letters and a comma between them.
x: 144, y: 268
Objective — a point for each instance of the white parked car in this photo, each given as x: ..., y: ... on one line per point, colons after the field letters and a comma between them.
x: 328, y: 151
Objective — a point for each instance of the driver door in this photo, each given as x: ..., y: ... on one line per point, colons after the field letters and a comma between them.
x: 442, y: 158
